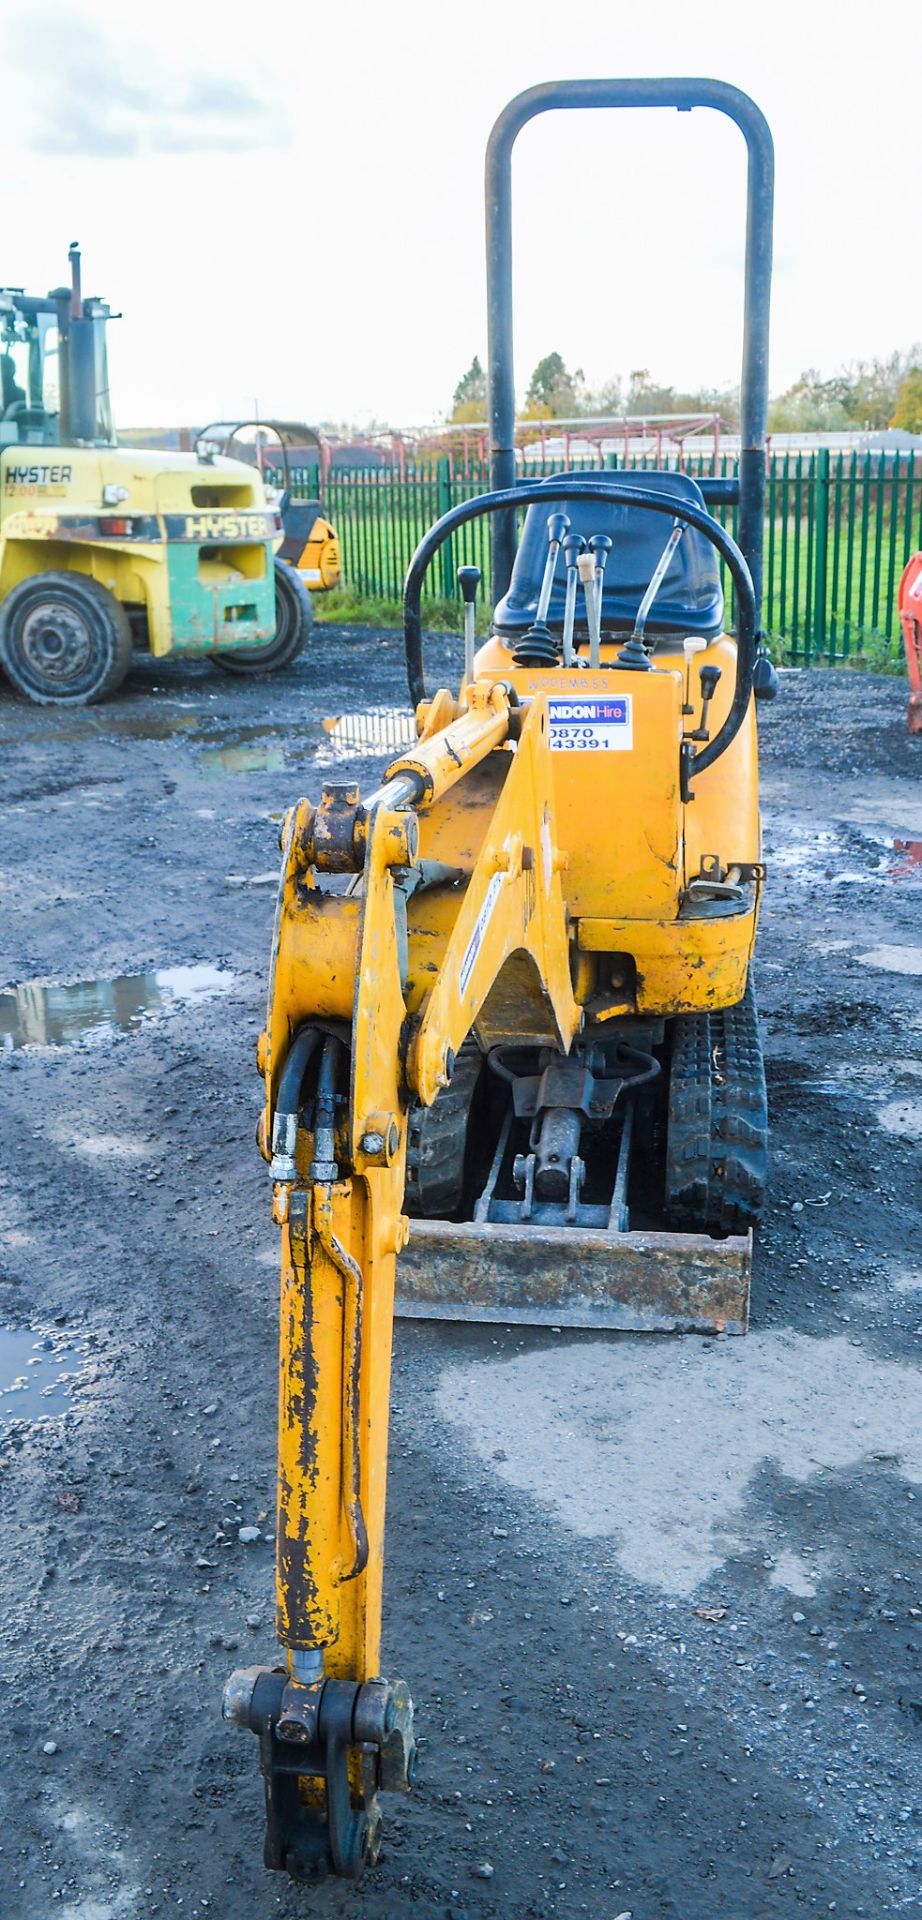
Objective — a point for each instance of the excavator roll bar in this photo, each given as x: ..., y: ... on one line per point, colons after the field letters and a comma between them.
x: 683, y: 95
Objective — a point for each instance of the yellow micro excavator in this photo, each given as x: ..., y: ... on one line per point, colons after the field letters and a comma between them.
x: 512, y: 1061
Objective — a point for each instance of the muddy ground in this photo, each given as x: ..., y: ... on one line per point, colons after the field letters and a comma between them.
x: 562, y: 1507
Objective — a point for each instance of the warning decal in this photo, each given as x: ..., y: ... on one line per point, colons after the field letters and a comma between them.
x: 476, y: 940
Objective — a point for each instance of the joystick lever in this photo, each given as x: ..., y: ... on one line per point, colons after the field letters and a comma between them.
x: 558, y: 524
x: 586, y: 569
x: 573, y: 546
x: 709, y: 677
x: 537, y: 647
x: 469, y: 581
x: 600, y: 547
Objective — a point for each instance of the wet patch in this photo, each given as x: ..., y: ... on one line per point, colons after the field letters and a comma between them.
x: 35, y: 1015
x: 376, y: 730
x: 155, y: 723
x: 841, y: 855
x: 256, y: 748
x: 37, y: 1374
x: 245, y: 750
x: 906, y: 861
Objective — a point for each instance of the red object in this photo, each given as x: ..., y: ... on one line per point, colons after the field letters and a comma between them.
x: 910, y: 606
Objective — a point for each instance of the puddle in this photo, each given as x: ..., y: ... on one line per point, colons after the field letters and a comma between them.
x: 33, y: 1015
x: 906, y: 861
x: 245, y: 750
x: 377, y: 730
x: 845, y: 856
x: 37, y: 1374
x: 156, y: 724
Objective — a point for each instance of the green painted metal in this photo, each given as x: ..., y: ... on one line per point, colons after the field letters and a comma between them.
x: 840, y: 527
x: 203, y: 617
x: 821, y: 540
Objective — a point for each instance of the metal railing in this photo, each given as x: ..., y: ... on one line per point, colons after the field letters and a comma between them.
x: 839, y: 530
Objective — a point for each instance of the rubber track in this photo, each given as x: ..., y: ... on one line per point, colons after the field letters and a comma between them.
x: 437, y: 1141
x: 717, y: 1141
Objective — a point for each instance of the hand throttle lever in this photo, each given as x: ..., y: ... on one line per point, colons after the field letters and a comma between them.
x: 469, y: 581
x: 708, y: 677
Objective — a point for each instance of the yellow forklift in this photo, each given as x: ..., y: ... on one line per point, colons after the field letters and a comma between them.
x: 103, y: 548
x: 512, y: 1063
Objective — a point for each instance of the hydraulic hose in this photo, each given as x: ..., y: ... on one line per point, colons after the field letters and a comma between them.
x: 288, y: 1101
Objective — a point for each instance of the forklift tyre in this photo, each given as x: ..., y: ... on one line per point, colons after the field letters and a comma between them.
x: 64, y: 639
x: 294, y: 618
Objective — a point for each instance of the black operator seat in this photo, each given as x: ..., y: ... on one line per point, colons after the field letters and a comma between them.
x: 690, y: 602
x: 298, y: 517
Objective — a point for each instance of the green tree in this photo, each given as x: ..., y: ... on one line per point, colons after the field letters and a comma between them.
x: 470, y: 398
x: 606, y: 401
x: 553, y: 392
x: 862, y: 395
x: 811, y: 405
x: 908, y: 409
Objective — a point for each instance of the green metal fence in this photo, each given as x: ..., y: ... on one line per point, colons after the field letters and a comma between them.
x: 839, y: 529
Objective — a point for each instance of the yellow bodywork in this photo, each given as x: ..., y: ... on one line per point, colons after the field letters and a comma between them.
x: 321, y: 562
x: 183, y: 542
x: 498, y: 886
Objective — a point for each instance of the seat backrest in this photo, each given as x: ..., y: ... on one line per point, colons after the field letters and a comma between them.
x: 690, y: 600
x: 297, y: 520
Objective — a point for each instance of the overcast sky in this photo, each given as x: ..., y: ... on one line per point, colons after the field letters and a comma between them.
x: 286, y: 201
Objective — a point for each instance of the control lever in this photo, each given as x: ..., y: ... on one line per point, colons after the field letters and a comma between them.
x: 690, y: 646
x: 469, y: 581
x: 600, y: 545
x: 558, y: 524
x: 573, y: 546
x: 634, y: 654
x: 586, y: 569
x: 709, y: 677
x: 537, y: 647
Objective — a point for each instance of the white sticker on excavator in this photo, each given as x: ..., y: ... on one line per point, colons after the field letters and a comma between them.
x: 476, y: 940
x: 593, y: 725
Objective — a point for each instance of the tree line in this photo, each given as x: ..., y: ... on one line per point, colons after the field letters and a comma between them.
x: 884, y: 392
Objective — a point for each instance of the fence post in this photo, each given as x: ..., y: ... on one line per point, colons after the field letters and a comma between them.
x: 821, y: 526
x: 443, y: 499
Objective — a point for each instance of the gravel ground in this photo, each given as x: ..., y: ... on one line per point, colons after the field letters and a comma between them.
x: 659, y: 1601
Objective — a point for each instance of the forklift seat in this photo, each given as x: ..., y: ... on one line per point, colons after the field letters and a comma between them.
x: 690, y: 600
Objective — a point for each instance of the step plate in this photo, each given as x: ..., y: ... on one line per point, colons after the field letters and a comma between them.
x: 563, y: 1277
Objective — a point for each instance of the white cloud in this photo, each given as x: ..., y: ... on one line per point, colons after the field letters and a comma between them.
x: 341, y: 274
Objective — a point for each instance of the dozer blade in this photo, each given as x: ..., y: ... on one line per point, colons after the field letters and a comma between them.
x: 562, y: 1276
